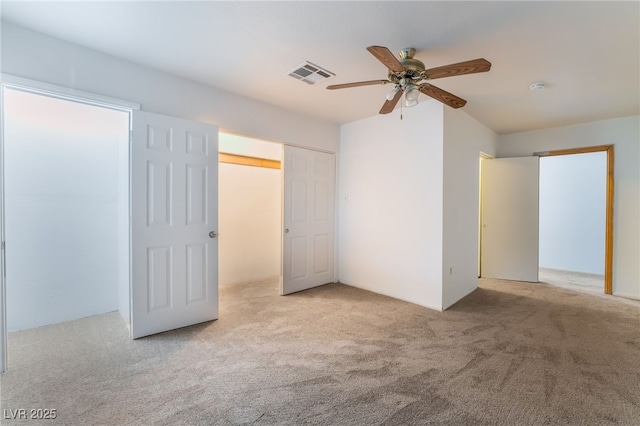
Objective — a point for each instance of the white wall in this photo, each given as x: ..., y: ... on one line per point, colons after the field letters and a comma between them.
x: 624, y: 134
x: 573, y: 212
x: 464, y: 139
x: 250, y: 147
x: 61, y: 171
x: 33, y: 55
x: 250, y: 213
x: 390, y: 204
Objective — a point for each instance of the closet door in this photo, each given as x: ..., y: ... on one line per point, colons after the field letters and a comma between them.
x: 309, y: 219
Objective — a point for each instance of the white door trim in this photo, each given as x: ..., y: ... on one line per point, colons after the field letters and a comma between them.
x: 61, y: 92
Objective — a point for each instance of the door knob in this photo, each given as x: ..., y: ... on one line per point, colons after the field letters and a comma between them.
x: 213, y: 234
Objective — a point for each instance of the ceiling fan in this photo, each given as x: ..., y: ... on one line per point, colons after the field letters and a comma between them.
x: 409, y: 76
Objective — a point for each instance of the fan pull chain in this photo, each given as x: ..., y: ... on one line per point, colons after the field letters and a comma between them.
x: 400, y: 109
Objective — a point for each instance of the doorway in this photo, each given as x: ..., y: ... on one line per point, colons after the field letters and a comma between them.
x: 482, y: 158
x: 572, y: 220
x: 66, y: 209
x: 250, y: 210
x: 608, y: 151
x: 276, y: 214
x: 64, y: 183
x: 515, y: 228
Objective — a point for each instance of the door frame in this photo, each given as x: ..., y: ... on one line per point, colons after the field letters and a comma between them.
x: 483, y: 156
x: 60, y: 92
x: 608, y: 250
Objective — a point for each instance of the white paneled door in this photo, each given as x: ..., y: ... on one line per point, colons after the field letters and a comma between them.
x: 509, y: 243
x: 174, y: 207
x: 309, y: 219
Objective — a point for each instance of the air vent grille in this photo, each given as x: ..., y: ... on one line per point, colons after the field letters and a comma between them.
x: 310, y: 73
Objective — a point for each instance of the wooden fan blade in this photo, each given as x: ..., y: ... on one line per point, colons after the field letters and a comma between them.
x: 385, y: 56
x: 442, y: 95
x: 356, y: 84
x: 461, y: 68
x: 389, y: 105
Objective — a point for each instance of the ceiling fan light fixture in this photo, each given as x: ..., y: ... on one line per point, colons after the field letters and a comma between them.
x: 392, y: 93
x: 411, y: 93
x: 410, y: 103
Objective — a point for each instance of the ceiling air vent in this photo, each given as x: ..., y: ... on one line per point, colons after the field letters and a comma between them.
x: 310, y: 73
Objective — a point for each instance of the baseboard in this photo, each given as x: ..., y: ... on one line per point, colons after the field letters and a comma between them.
x: 626, y: 296
x: 424, y: 305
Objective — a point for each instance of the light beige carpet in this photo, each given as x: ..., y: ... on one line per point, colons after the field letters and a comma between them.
x: 573, y: 280
x: 508, y: 354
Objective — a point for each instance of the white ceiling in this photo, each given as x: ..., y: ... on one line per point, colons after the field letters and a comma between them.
x: 587, y: 53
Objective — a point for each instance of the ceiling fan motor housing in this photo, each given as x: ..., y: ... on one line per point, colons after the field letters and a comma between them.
x: 413, y: 68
